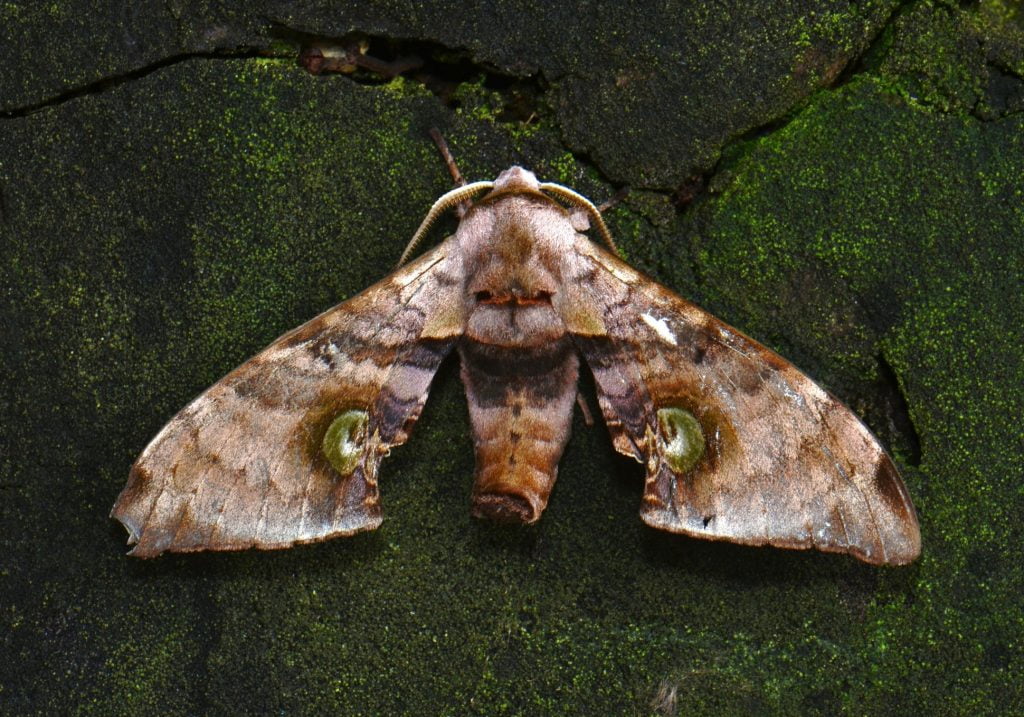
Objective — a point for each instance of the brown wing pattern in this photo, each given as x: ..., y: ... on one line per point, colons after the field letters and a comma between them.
x: 784, y: 462
x: 242, y: 465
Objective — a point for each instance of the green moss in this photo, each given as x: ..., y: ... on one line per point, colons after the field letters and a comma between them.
x: 143, y: 674
x: 563, y: 169
x: 958, y: 58
x: 476, y: 101
x: 870, y: 225
x: 11, y: 11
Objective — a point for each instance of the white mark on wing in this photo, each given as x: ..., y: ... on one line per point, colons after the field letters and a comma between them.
x: 661, y: 328
x: 790, y: 393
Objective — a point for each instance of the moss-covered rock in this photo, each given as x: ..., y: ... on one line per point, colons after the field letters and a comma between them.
x: 155, y: 234
x: 942, y: 55
x: 871, y: 232
x: 649, y: 92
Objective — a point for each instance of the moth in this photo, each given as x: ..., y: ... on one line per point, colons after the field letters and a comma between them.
x: 737, y: 443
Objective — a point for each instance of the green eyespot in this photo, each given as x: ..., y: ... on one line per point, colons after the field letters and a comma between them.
x: 681, y: 437
x: 343, y: 442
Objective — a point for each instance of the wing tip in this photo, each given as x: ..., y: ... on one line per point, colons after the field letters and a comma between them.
x: 899, y: 531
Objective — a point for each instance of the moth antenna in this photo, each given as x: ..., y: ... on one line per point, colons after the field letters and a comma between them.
x: 446, y: 202
x: 581, y: 201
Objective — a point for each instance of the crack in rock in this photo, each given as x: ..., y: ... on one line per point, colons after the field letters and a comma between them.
x: 443, y: 70
x: 108, y: 83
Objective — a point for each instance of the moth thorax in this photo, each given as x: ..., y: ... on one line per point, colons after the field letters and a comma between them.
x: 344, y: 439
x: 514, y: 322
x: 681, y: 438
x: 499, y: 281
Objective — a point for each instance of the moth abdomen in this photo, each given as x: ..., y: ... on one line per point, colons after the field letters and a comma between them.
x: 520, y: 407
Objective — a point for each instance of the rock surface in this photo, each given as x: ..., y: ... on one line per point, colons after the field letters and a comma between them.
x: 846, y: 185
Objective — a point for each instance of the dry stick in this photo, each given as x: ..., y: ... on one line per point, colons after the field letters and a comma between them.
x: 318, y: 59
x: 453, y: 169
x: 386, y: 69
x: 615, y: 199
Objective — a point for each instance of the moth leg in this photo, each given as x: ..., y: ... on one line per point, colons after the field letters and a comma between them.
x: 453, y: 169
x: 588, y: 417
x: 580, y: 215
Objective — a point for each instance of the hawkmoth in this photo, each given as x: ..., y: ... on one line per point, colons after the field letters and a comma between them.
x: 737, y: 443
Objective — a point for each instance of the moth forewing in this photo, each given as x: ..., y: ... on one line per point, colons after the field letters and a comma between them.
x: 784, y: 463
x: 245, y: 465
x: 738, y: 444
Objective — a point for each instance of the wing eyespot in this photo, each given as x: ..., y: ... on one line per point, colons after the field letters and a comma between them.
x: 343, y: 442
x: 681, y: 437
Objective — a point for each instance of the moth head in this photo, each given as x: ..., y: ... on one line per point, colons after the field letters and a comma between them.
x: 515, y: 180
x: 586, y: 215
